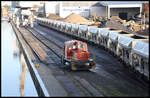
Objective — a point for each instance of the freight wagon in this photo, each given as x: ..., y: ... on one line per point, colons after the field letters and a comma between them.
x: 118, y: 42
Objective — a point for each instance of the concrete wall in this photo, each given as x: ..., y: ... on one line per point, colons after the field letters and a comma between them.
x: 78, y: 7
x: 50, y: 7
x: 99, y: 10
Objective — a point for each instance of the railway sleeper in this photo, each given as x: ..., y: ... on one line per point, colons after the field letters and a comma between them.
x: 101, y: 46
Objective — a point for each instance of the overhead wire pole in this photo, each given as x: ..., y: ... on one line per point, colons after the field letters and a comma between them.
x: 44, y: 11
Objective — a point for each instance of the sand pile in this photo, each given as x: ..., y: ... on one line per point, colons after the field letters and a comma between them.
x: 55, y: 17
x: 77, y: 19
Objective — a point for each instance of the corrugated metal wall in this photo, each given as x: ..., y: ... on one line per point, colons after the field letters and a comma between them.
x: 100, y: 11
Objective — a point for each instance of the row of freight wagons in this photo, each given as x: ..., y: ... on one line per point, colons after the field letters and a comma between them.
x: 131, y: 49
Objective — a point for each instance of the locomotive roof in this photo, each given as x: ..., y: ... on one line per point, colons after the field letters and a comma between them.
x: 72, y: 41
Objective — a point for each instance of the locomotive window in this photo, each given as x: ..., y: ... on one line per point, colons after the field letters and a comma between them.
x: 70, y: 46
x: 82, y: 46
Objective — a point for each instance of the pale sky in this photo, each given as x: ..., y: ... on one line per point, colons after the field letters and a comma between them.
x: 27, y: 3
x: 6, y: 2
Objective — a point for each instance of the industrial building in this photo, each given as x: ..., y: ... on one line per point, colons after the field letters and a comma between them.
x: 47, y: 8
x: 64, y: 9
x: 23, y: 13
x: 123, y: 9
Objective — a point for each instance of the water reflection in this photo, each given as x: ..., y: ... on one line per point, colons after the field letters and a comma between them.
x: 16, y: 78
x: 23, y: 74
x: 16, y: 52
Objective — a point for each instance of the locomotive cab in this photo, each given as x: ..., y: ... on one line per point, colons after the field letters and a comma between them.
x: 76, y: 56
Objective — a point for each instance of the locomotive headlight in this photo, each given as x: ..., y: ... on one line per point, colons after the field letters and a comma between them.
x: 66, y: 63
x: 87, y: 64
x: 90, y: 59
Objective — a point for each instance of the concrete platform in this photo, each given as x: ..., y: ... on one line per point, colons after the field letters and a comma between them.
x: 54, y: 80
x: 52, y: 85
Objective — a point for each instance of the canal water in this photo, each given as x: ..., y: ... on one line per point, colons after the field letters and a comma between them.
x: 15, y: 76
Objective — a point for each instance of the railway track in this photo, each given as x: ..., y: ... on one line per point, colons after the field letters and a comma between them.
x: 85, y: 73
x: 101, y: 59
x: 76, y: 81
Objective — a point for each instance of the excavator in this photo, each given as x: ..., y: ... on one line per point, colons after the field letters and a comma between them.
x: 99, y: 21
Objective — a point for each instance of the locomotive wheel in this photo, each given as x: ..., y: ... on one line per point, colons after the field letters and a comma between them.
x: 62, y: 60
x: 68, y: 67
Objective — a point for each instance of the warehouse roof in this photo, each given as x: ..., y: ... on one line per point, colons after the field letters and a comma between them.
x: 106, y: 3
x: 97, y: 4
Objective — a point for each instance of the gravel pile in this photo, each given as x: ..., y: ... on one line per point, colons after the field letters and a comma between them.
x: 55, y: 17
x: 77, y: 19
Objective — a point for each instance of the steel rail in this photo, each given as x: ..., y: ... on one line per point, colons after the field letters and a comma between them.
x: 138, y: 75
x: 49, y: 40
